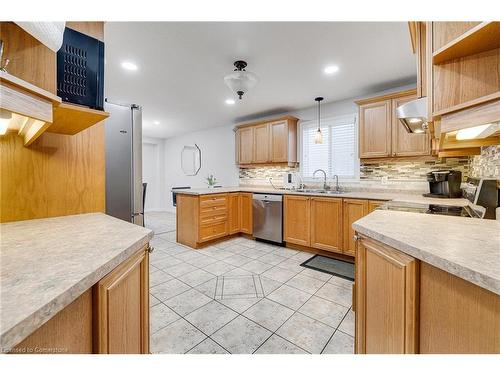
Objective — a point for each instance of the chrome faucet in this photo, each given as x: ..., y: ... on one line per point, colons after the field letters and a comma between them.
x: 325, y: 186
x: 337, y: 187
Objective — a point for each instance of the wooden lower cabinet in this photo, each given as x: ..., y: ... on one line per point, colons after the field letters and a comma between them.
x: 456, y: 316
x: 110, y: 317
x: 68, y: 332
x: 297, y: 220
x: 404, y: 305
x: 353, y: 210
x: 246, y: 213
x: 234, y: 216
x: 373, y: 205
x: 386, y: 300
x: 326, y: 223
x: 121, y: 300
x: 205, y: 218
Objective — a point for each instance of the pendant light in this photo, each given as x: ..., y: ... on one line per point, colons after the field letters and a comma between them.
x: 240, y: 81
x: 318, y: 138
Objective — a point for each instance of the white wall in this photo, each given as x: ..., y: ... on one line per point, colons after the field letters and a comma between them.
x: 217, y: 158
x: 153, y: 172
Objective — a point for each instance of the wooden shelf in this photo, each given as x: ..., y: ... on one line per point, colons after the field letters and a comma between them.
x: 71, y: 119
x: 467, y: 104
x: 481, y: 38
x: 19, y: 84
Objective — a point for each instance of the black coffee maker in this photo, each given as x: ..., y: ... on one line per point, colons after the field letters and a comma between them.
x: 444, y: 184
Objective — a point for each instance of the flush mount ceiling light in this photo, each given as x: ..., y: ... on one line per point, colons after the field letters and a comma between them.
x: 330, y: 69
x: 240, y: 81
x: 229, y: 101
x: 127, y: 65
x: 318, y: 137
x: 156, y: 122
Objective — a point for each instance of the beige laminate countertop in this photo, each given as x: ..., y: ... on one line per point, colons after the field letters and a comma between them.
x: 45, y: 264
x: 396, y: 195
x: 465, y: 247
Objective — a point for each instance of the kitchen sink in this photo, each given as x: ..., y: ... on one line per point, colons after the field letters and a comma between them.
x: 319, y: 191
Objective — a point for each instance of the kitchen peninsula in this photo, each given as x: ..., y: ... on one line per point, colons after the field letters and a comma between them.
x: 69, y: 284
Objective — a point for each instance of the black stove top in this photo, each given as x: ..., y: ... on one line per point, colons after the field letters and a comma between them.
x: 433, y: 209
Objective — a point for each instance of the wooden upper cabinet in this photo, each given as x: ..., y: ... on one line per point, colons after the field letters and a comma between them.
x: 382, y: 135
x: 234, y: 212
x: 279, y: 141
x: 375, y: 129
x: 297, y: 214
x: 386, y: 300
x: 353, y: 210
x: 246, y: 212
x: 122, y: 305
x: 261, y: 144
x: 272, y: 141
x: 326, y: 224
x: 404, y: 143
x: 244, y: 137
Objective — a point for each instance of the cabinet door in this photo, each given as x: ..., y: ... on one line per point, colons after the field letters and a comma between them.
x: 234, y: 212
x: 246, y: 220
x: 279, y: 141
x: 375, y: 129
x: 404, y: 143
x: 122, y: 299
x: 297, y: 220
x: 261, y: 143
x: 372, y: 205
x: 244, y: 138
x: 354, y: 209
x: 386, y: 300
x: 326, y: 224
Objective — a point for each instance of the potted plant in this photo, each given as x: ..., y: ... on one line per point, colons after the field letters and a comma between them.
x: 211, y: 181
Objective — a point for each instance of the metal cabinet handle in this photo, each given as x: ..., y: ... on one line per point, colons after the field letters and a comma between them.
x: 356, y: 238
x: 151, y: 249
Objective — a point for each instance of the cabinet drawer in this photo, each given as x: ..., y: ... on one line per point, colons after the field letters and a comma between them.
x: 213, y: 210
x: 209, y: 232
x: 213, y: 200
x: 211, y: 219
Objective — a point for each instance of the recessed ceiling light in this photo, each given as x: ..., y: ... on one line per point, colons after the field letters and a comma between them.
x: 331, y: 69
x: 127, y: 65
x: 156, y: 122
x: 230, y: 101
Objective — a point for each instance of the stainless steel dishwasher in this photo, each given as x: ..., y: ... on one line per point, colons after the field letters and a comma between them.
x: 268, y: 217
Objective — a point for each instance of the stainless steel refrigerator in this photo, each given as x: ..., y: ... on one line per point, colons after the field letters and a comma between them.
x: 124, y: 162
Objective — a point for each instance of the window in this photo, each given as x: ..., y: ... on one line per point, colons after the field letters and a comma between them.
x: 338, y: 153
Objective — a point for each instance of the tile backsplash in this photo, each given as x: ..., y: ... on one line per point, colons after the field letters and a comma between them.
x: 412, y: 170
x: 486, y: 165
x: 404, y: 175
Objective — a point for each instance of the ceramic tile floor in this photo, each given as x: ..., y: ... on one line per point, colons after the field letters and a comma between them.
x: 243, y: 296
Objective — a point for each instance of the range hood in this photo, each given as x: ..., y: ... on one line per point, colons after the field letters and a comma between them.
x: 413, y: 115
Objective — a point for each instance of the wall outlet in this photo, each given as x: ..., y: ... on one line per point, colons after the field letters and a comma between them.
x: 384, y: 180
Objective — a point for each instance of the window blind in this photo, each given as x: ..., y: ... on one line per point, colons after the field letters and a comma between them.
x: 337, y: 155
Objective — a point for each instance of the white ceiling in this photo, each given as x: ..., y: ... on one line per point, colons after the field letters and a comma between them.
x: 181, y: 67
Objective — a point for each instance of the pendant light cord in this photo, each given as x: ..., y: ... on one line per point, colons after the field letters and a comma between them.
x: 319, y: 115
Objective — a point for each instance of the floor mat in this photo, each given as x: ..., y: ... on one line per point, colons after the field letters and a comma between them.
x: 331, y: 266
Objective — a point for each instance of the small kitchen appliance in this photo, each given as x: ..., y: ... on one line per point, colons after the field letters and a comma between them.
x: 80, y: 70
x: 444, y: 184
x: 290, y: 181
x: 483, y: 192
